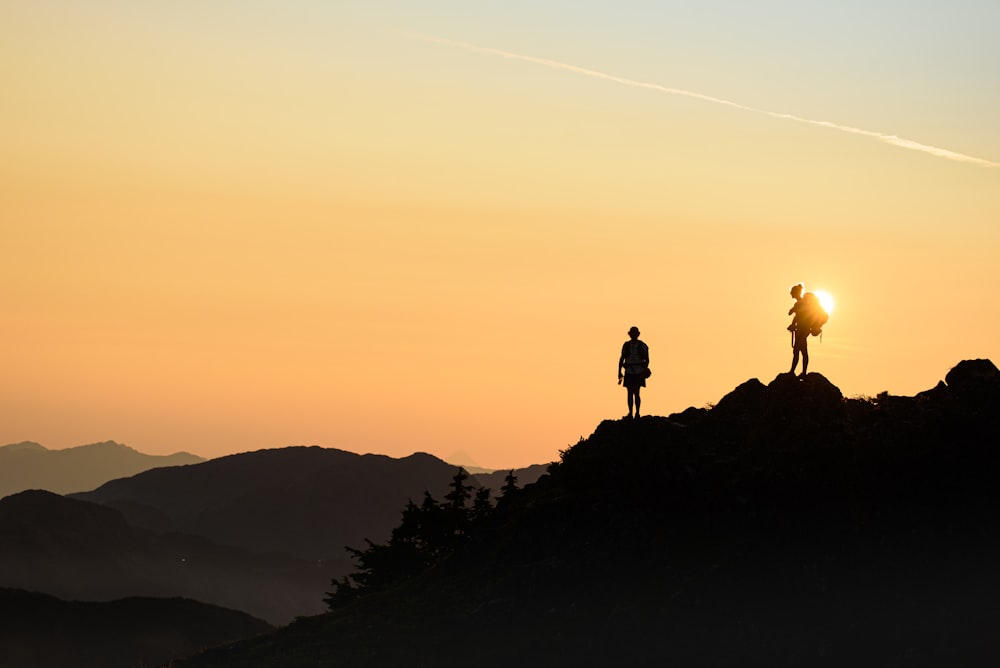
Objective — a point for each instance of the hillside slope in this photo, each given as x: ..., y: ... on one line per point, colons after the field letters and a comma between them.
x: 42, y: 631
x: 786, y: 526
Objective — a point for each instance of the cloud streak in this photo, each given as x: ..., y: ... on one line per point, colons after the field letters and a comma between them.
x: 892, y: 140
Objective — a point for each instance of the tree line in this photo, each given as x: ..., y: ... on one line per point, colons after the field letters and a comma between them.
x: 427, y: 532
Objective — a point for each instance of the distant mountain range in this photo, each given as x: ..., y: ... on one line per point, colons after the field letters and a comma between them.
x: 787, y: 525
x: 32, y: 466
x: 41, y: 631
x: 305, y: 501
x: 263, y: 532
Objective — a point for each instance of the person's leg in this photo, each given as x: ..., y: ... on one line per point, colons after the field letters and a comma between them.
x: 795, y: 359
x: 631, y: 399
x: 805, y: 359
x: 638, y: 402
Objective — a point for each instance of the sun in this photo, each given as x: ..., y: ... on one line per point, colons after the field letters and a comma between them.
x: 825, y: 299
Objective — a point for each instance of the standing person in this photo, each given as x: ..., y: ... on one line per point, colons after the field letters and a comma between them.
x: 635, y: 362
x: 799, y: 328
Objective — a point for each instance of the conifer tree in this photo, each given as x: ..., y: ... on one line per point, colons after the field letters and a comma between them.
x: 509, y: 484
x: 481, y: 506
x: 460, y: 492
x: 425, y: 534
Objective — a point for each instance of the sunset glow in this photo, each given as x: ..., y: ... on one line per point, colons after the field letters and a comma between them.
x: 826, y: 300
x: 394, y: 227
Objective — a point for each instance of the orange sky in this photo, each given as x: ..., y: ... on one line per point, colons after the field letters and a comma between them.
x: 242, y: 227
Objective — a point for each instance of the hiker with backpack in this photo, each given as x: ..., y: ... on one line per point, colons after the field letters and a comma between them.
x: 809, y: 319
x: 634, y: 360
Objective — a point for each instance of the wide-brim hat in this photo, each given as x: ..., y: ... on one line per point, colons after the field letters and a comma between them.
x: 633, y: 330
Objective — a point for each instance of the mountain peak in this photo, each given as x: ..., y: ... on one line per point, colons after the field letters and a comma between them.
x: 105, y: 445
x: 23, y: 446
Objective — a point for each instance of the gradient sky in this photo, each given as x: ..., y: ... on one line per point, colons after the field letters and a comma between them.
x: 389, y: 227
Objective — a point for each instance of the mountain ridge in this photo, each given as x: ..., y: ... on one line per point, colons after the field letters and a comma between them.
x: 787, y: 525
x: 30, y: 465
x: 306, y: 500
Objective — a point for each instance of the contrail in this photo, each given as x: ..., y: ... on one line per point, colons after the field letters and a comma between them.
x: 557, y: 65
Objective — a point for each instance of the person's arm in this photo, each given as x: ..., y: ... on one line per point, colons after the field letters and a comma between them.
x: 621, y: 363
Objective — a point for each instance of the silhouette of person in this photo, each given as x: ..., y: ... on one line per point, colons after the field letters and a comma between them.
x: 635, y: 362
x: 799, y: 329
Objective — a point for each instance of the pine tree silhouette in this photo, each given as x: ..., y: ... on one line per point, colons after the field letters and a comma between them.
x: 509, y: 484
x: 425, y: 534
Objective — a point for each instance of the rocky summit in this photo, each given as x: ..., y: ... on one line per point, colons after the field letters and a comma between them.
x: 786, y: 526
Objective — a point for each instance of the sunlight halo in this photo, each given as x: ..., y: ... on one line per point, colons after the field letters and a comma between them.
x: 826, y: 299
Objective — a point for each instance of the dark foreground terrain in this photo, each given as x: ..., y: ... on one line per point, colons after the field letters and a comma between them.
x: 786, y: 526
x: 41, y: 631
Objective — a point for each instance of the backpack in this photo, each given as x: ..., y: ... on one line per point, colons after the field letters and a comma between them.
x: 635, y: 353
x: 812, y: 314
